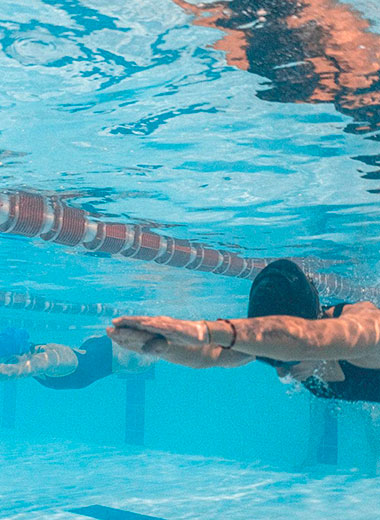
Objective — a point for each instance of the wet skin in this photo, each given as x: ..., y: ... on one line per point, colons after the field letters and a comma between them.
x: 354, y: 336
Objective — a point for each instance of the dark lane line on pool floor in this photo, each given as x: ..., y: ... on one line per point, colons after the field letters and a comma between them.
x: 109, y: 513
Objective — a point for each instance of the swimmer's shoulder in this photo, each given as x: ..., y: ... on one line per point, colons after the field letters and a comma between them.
x: 364, y: 308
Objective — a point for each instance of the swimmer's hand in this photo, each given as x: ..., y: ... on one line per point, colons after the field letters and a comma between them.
x: 132, y: 339
x: 181, y: 342
x: 180, y: 332
x: 328, y: 371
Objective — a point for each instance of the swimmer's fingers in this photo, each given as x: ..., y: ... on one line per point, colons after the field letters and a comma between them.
x: 329, y: 371
x: 300, y: 371
x: 231, y: 358
x: 177, y: 331
x: 7, y: 372
x: 14, y: 370
x: 154, y: 324
x: 282, y: 372
x: 131, y: 339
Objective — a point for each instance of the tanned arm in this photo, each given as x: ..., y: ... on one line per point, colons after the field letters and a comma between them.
x: 354, y: 335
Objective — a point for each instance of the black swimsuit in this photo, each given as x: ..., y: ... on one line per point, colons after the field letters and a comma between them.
x: 360, y: 384
x: 95, y: 363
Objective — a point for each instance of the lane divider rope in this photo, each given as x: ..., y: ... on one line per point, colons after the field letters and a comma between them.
x: 35, y: 215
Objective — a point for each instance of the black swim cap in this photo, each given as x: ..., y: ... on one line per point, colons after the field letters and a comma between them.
x: 282, y: 288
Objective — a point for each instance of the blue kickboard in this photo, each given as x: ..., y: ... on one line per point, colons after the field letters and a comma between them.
x: 109, y: 513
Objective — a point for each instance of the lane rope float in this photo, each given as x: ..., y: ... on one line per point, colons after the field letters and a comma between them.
x: 49, y: 218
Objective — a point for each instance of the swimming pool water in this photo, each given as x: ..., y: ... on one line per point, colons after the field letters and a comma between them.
x: 169, y: 486
x: 137, y: 113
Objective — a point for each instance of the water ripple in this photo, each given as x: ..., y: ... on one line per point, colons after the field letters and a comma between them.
x: 41, y: 48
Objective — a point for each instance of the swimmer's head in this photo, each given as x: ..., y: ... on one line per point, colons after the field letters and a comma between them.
x: 283, y: 289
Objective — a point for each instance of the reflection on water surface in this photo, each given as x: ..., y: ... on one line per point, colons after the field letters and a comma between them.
x: 254, y: 126
x: 319, y: 51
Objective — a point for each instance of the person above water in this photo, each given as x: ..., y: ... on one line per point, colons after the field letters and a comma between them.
x: 313, y: 51
x: 62, y: 367
x: 310, y: 51
x: 334, y: 351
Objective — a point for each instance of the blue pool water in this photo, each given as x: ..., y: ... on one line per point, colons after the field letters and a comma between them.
x: 254, y: 130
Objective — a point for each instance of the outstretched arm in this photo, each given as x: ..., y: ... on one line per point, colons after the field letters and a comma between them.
x: 355, y: 335
x: 61, y: 367
x: 50, y: 360
x: 177, y: 341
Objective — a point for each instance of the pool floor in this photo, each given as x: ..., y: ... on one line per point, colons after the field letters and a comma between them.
x: 47, y: 480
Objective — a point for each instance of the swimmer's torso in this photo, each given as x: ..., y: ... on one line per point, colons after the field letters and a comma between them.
x: 360, y: 384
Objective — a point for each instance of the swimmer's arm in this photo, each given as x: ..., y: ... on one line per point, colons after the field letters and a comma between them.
x: 57, y: 361
x: 172, y: 340
x: 354, y: 335
x: 46, y: 360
